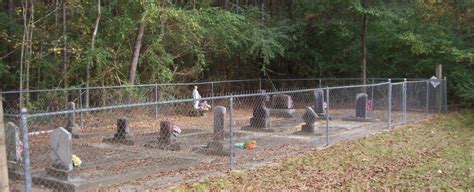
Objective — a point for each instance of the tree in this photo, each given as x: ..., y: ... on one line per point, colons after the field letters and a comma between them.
x: 136, y: 50
x: 90, y: 63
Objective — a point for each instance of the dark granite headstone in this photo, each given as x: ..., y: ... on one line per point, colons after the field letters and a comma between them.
x: 361, y: 110
x: 361, y: 105
x: 123, y: 134
x: 166, y: 131
x: 261, y: 114
x: 319, y: 101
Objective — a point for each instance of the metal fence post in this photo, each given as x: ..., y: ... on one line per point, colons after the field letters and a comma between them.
x: 445, y: 95
x: 26, y: 149
x: 212, y: 93
x: 427, y: 98
x: 259, y: 83
x: 389, y: 119
x: 372, y: 92
x: 404, y: 101
x: 156, y: 101
x: 327, y: 116
x: 231, y: 132
x: 81, y: 114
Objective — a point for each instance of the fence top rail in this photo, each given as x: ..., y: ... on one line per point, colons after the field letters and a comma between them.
x: 190, y: 100
x: 189, y: 84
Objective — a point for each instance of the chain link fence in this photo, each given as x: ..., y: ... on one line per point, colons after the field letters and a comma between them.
x: 158, y: 141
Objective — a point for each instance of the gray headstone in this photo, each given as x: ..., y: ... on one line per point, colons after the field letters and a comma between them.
x: 12, y: 133
x: 310, y: 116
x: 61, y: 149
x: 361, y: 105
x: 319, y: 99
x: 282, y: 101
x: 261, y: 114
x: 219, y: 122
x: 123, y: 132
x: 72, y: 126
x: 166, y: 131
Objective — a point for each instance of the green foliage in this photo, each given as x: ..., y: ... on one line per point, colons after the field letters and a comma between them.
x: 463, y: 83
x: 186, y: 41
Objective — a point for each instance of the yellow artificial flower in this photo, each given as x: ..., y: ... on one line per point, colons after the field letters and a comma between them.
x: 76, y: 162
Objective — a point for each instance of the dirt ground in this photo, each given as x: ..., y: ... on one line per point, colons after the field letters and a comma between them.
x: 137, y: 167
x: 393, y: 160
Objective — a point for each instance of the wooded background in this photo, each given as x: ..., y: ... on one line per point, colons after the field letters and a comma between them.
x: 70, y: 43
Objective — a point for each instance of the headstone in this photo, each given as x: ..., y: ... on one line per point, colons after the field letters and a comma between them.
x: 12, y: 136
x: 319, y: 98
x: 282, y: 106
x: 361, y: 105
x: 282, y: 101
x: 72, y: 126
x: 14, y: 148
x: 166, y: 131
x: 309, y: 118
x: 219, y: 123
x: 261, y: 114
x: 167, y: 138
x: 61, y: 154
x: 361, y: 109
x: 123, y: 134
x: 216, y: 145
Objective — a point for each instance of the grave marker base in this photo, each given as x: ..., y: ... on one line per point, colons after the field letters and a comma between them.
x: 359, y: 119
x: 308, y: 128
x: 287, y: 113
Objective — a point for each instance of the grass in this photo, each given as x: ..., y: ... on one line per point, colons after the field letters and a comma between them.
x: 435, y: 154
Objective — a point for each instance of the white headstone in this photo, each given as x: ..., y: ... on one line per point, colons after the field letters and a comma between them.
x: 61, y: 149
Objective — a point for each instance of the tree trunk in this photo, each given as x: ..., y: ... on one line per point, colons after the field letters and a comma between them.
x: 363, y: 42
x: 29, y: 50
x: 65, y: 59
x: 89, y: 64
x: 24, y: 5
x: 136, y: 52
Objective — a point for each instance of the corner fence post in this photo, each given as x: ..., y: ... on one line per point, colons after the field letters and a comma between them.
x: 372, y: 92
x: 81, y: 114
x: 404, y: 102
x: 3, y: 153
x: 427, y: 98
x: 231, y: 132
x: 26, y: 149
x: 389, y: 103
x: 212, y: 93
x: 327, y: 116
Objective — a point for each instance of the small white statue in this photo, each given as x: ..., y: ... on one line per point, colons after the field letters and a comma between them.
x: 203, y: 106
x: 196, y: 97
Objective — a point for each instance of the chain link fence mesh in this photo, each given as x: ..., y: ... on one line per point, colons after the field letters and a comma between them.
x: 151, y: 138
